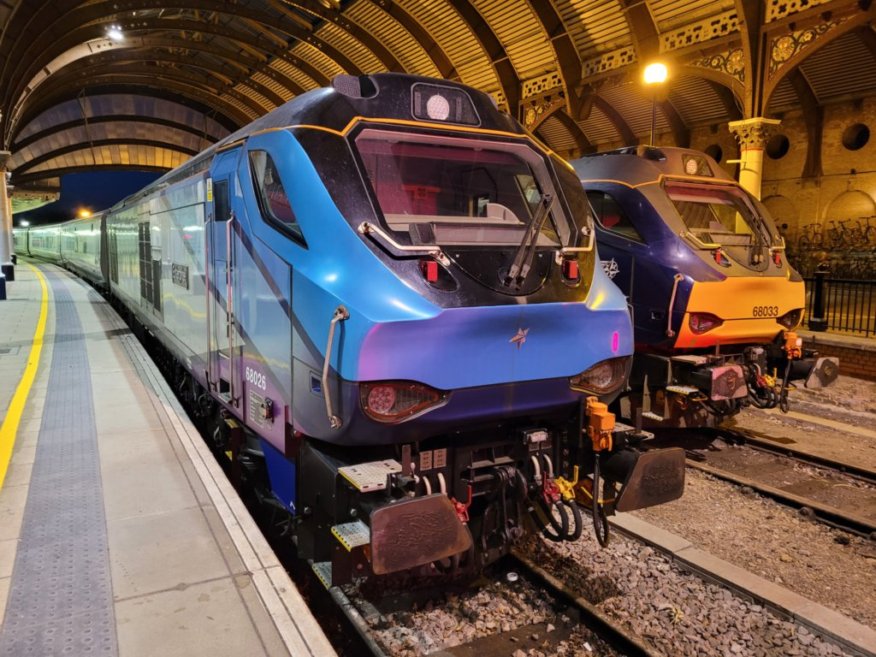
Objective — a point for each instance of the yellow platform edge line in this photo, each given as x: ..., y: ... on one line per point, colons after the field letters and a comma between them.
x: 9, y: 428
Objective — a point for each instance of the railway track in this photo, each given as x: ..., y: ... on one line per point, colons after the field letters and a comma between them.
x: 547, y: 616
x: 838, y: 493
x: 762, y: 442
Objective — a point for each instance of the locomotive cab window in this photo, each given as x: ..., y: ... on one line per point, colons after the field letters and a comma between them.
x: 723, y: 216
x: 458, y: 191
x: 720, y: 214
x: 610, y: 216
x: 273, y: 201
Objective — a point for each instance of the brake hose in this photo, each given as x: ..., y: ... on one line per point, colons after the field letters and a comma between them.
x: 600, y: 521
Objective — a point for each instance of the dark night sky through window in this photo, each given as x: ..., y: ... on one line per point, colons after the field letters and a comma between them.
x: 94, y: 190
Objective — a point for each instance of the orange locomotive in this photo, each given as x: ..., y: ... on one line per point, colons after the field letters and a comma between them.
x: 714, y: 300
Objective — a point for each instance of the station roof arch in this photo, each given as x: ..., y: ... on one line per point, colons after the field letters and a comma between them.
x: 144, y: 84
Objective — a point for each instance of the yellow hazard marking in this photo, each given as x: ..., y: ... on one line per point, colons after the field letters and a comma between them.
x: 9, y: 428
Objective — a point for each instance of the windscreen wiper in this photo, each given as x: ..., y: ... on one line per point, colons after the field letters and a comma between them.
x: 522, y: 262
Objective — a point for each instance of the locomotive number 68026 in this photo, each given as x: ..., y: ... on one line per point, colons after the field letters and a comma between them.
x: 256, y: 378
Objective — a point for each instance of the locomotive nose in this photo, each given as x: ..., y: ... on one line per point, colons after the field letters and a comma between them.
x: 471, y: 347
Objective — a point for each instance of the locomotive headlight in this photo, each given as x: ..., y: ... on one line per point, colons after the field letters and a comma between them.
x: 394, y: 401
x: 438, y: 108
x: 381, y: 399
x: 702, y: 322
x: 604, y: 377
x: 791, y: 319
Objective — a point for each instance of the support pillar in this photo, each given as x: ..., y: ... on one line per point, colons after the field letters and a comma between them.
x: 9, y: 190
x: 752, y: 135
x: 7, y: 269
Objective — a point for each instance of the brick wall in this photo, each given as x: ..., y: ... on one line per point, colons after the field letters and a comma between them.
x: 844, y: 170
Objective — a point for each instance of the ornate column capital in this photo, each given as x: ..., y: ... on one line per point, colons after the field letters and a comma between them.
x: 4, y: 158
x: 754, y: 133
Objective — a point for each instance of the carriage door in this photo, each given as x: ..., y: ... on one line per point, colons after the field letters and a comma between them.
x: 224, y: 341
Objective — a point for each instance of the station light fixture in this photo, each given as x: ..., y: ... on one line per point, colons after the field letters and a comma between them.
x: 655, y: 75
x: 24, y: 223
x: 83, y: 213
x: 114, y: 33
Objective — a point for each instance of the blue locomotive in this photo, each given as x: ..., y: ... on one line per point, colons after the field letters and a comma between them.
x: 714, y: 300
x: 385, y: 297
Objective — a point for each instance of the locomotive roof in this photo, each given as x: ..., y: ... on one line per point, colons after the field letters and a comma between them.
x: 378, y: 96
x: 638, y: 165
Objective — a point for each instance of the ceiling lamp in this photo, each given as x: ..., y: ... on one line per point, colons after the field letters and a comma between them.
x: 114, y: 33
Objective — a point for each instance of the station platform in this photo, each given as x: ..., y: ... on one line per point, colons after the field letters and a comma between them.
x: 857, y: 353
x: 119, y: 533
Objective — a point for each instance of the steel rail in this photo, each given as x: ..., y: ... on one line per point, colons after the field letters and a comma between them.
x: 825, y: 513
x: 759, y: 442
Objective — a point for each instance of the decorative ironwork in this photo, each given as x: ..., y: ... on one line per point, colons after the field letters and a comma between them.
x: 607, y: 62
x: 783, y: 48
x: 777, y: 9
x: 535, y: 113
x: 501, y: 101
x: 703, y: 30
x: 538, y: 86
x: 731, y: 62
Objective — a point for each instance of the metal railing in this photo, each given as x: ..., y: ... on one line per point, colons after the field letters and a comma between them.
x: 840, y: 305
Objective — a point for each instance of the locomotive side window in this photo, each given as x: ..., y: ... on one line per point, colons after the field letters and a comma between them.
x: 220, y: 200
x: 610, y: 215
x: 273, y: 200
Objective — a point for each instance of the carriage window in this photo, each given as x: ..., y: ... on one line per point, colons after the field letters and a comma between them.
x: 610, y: 215
x: 273, y: 200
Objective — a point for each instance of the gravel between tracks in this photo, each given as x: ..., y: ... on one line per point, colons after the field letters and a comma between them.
x: 823, y: 564
x: 457, y: 618
x: 676, y: 612
x: 850, y: 401
x: 856, y: 395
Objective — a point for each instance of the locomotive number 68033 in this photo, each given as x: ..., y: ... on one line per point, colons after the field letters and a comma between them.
x: 765, y: 311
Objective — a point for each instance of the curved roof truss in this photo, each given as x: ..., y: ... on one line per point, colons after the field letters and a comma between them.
x: 568, y: 69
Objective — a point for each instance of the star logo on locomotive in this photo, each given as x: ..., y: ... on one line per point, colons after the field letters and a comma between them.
x: 610, y: 268
x: 519, y: 338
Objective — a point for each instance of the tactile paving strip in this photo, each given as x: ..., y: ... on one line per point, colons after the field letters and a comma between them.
x: 60, y: 597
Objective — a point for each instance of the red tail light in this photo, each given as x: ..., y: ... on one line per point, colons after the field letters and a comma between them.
x: 570, y: 270
x: 701, y: 322
x: 394, y: 401
x: 720, y: 258
x: 777, y: 259
x: 430, y: 270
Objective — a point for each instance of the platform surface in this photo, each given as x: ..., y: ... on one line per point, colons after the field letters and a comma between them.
x: 119, y: 534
